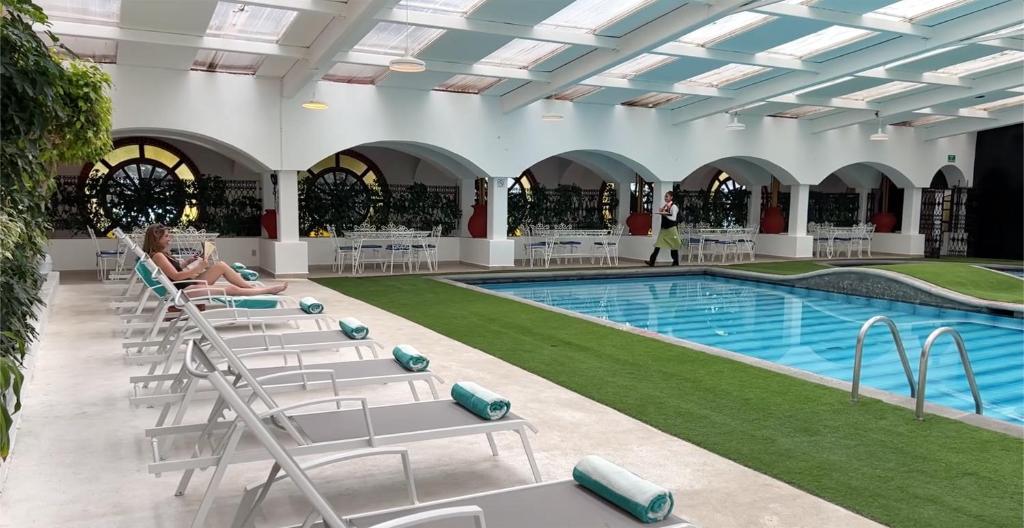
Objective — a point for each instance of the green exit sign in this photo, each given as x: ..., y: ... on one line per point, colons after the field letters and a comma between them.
x: 950, y: 158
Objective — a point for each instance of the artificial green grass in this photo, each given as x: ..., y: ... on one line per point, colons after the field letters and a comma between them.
x: 872, y: 458
x: 966, y: 279
x: 794, y: 267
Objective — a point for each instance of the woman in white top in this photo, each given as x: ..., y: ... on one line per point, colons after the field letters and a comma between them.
x: 668, y: 236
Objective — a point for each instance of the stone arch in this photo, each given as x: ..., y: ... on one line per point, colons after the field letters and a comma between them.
x: 225, y: 148
x: 953, y: 175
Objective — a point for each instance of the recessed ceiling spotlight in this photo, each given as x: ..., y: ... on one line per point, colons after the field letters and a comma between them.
x: 552, y: 117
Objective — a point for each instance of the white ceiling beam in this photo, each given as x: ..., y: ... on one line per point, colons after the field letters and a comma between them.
x: 376, y: 59
x: 341, y: 34
x: 458, y: 23
x: 955, y: 112
x: 923, y: 78
x: 677, y: 49
x: 931, y: 98
x: 660, y: 31
x: 969, y: 26
x: 840, y: 18
x: 829, y: 102
x: 76, y: 29
x: 320, y: 7
x: 965, y: 126
x: 1004, y: 43
x: 648, y: 86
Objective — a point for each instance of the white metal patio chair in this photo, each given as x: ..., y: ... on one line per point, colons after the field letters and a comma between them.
x: 608, y: 247
x: 106, y: 259
x: 344, y: 250
x: 427, y: 249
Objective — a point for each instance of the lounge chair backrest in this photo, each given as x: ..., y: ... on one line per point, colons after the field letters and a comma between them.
x: 146, y: 274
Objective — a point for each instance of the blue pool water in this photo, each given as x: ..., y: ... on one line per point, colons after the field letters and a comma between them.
x: 807, y: 329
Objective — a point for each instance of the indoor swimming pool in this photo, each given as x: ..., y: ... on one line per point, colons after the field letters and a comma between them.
x: 810, y: 330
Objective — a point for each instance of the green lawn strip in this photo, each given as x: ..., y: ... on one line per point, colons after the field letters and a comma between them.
x: 795, y: 267
x: 965, y: 278
x: 982, y: 261
x: 872, y: 458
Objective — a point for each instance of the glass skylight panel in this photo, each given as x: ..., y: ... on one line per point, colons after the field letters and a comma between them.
x: 802, y: 111
x: 924, y: 121
x: 575, y: 92
x: 249, y: 22
x: 653, y: 99
x: 983, y: 63
x: 638, y: 65
x: 588, y: 16
x: 724, y: 28
x: 910, y: 10
x: 522, y: 53
x: 884, y: 90
x: 993, y: 106
x: 96, y: 50
x: 821, y: 41
x: 442, y: 7
x: 1002, y: 33
x: 103, y: 11
x: 227, y: 62
x: 390, y: 39
x: 355, y: 73
x: 729, y: 73
x: 471, y: 84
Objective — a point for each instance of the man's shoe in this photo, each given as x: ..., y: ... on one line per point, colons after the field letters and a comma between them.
x: 649, y: 263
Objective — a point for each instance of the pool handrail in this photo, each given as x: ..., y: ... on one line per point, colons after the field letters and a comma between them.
x: 964, y: 359
x: 854, y: 391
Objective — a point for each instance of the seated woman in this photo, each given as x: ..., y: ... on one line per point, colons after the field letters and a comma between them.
x: 157, y: 246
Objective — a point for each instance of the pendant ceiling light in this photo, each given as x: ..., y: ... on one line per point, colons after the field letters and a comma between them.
x: 407, y: 63
x: 552, y: 117
x: 315, y: 103
x: 880, y: 135
x: 735, y: 123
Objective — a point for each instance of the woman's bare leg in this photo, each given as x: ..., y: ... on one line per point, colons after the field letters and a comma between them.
x: 221, y: 269
x: 235, y: 291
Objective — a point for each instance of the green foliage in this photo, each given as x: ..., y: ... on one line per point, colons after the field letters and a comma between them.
x: 54, y: 111
x: 565, y: 204
x: 839, y: 209
x: 718, y: 209
x: 418, y: 207
x: 347, y: 203
x: 221, y: 211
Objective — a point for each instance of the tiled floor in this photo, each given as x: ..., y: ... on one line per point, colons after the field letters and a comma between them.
x: 80, y: 458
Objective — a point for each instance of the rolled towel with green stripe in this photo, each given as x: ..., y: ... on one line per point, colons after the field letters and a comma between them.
x: 480, y: 401
x: 410, y: 358
x: 249, y: 275
x: 353, y: 328
x: 311, y: 305
x: 643, y: 499
x: 238, y: 266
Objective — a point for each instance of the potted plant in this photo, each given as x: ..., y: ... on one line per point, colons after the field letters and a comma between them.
x: 772, y: 221
x: 478, y: 220
x: 639, y: 222
x: 884, y: 220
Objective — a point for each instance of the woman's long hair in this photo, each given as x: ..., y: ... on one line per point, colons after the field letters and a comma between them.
x: 151, y: 243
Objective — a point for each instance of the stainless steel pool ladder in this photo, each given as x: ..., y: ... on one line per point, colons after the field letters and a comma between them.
x: 923, y: 369
x: 917, y: 392
x: 860, y: 353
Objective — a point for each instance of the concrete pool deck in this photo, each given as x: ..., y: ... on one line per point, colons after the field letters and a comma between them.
x: 80, y: 456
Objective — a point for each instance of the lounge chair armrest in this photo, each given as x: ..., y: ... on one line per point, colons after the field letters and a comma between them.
x: 362, y: 401
x: 436, y: 515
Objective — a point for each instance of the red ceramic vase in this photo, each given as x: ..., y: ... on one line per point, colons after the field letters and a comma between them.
x: 884, y: 222
x: 478, y: 221
x: 772, y: 221
x: 639, y: 224
x: 269, y: 222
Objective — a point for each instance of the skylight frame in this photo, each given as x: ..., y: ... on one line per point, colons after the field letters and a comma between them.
x: 912, y: 10
x: 981, y: 64
x: 727, y: 74
x: 730, y: 26
x: 999, y: 104
x: 653, y: 100
x: 468, y: 84
x: 927, y: 120
x: 348, y: 73
x: 579, y: 15
x: 266, y: 24
x: 575, y: 92
x: 638, y: 65
x: 883, y: 90
x: 105, y: 12
x: 441, y: 7
x: 98, y: 50
x: 227, y: 62
x: 389, y: 38
x: 523, y: 54
x: 800, y: 112
x: 828, y: 39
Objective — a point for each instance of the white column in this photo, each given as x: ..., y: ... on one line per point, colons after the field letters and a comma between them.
x: 467, y: 197
x: 497, y: 208
x: 911, y: 211
x: 862, y: 207
x: 288, y: 206
x: 799, y: 195
x: 287, y: 256
x: 754, y: 207
x: 625, y: 197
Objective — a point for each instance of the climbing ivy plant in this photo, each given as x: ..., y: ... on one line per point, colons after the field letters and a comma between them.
x: 54, y: 111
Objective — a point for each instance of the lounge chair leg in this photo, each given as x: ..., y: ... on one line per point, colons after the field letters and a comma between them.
x: 433, y: 388
x: 529, y: 454
x: 494, y: 446
x: 412, y: 388
x: 218, y: 475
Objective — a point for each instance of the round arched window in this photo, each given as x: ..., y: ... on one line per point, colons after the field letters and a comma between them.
x: 524, y: 183
x: 723, y: 183
x: 142, y: 181
x: 341, y: 191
